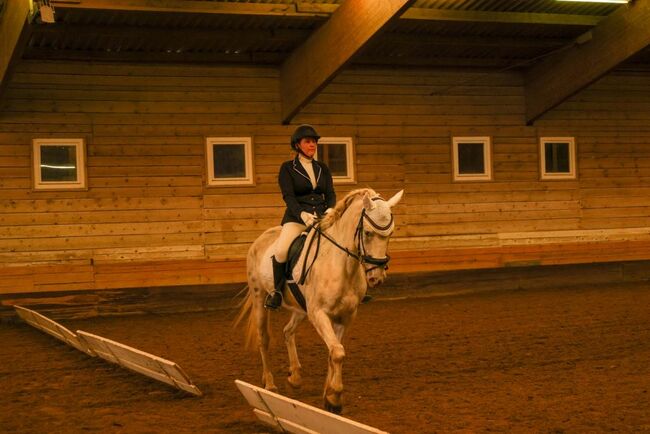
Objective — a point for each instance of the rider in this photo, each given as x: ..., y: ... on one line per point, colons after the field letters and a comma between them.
x: 308, y: 190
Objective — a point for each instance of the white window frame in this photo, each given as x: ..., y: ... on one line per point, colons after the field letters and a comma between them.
x: 81, y: 182
x: 351, y: 177
x: 546, y: 176
x: 487, y: 159
x: 248, y: 179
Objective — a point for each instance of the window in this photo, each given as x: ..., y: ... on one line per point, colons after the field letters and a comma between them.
x: 472, y: 159
x: 338, y: 154
x: 59, y: 164
x: 230, y: 161
x: 557, y: 157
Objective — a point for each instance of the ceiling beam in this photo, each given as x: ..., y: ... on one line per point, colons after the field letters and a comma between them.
x: 189, y: 6
x: 501, y: 17
x: 14, y: 25
x: 617, y: 38
x: 316, y: 62
x: 303, y: 9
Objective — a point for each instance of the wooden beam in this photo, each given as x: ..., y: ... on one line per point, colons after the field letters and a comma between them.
x: 501, y: 17
x: 14, y: 23
x: 189, y: 6
x: 303, y: 9
x: 618, y: 37
x: 315, y: 63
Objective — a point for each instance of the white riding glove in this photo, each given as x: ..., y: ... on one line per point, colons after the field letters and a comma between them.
x: 307, y: 218
x: 328, y: 210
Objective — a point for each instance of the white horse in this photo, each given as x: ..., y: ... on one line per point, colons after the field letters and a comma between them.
x: 343, y: 256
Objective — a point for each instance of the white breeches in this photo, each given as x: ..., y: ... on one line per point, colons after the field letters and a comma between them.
x: 289, y: 233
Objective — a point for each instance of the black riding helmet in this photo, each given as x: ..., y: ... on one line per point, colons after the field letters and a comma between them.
x: 302, y: 132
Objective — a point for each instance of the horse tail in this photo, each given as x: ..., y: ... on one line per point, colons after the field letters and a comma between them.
x: 246, y: 312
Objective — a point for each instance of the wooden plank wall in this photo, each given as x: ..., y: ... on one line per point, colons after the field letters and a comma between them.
x: 149, y: 220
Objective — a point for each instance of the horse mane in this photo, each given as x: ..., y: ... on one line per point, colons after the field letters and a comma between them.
x: 342, y: 205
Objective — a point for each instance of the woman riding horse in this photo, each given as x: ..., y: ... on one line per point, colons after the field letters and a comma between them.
x: 308, y: 191
x: 344, y: 255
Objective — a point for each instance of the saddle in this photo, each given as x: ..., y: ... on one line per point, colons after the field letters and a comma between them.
x: 292, y: 259
x: 294, y: 253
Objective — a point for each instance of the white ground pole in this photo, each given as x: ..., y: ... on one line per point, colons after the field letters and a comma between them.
x: 52, y: 328
x: 147, y: 364
x: 131, y: 358
x: 297, y: 417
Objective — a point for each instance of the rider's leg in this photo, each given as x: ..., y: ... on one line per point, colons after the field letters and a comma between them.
x: 289, y: 232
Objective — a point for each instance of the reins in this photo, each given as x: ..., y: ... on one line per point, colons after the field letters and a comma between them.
x: 361, y: 257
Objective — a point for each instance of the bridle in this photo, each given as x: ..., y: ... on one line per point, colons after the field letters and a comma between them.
x: 362, y: 257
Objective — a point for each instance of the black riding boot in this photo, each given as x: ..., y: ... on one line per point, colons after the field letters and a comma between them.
x: 274, y: 300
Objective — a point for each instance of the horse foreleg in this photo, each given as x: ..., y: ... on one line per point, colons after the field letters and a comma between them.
x: 261, y: 317
x: 334, y: 383
x: 294, y: 378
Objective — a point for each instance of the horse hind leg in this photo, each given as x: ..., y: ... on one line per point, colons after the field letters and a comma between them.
x: 262, y: 324
x: 295, y: 378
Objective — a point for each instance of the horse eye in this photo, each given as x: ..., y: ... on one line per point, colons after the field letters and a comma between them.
x: 368, y: 234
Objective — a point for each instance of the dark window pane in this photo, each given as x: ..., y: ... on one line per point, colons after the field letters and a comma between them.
x: 229, y: 161
x: 58, y: 163
x: 557, y: 157
x: 470, y: 158
x: 335, y: 157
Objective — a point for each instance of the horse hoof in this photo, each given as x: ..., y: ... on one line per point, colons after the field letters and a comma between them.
x: 271, y: 388
x: 296, y: 384
x: 336, y: 409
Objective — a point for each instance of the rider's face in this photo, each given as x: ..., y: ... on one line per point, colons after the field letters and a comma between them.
x: 308, y: 146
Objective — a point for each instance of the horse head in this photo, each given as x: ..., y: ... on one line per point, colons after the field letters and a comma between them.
x: 376, y: 225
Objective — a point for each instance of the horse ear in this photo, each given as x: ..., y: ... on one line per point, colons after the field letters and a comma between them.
x: 395, y: 199
x: 367, y: 202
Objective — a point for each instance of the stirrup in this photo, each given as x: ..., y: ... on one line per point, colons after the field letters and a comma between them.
x: 273, y: 301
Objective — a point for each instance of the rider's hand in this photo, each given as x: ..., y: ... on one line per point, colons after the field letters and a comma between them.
x: 307, y: 218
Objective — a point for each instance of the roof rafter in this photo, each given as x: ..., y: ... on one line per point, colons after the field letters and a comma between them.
x: 188, y: 6
x: 501, y: 17
x: 323, y: 9
x: 317, y: 61
x: 617, y: 38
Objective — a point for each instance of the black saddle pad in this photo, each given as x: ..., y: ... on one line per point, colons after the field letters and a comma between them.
x: 294, y: 253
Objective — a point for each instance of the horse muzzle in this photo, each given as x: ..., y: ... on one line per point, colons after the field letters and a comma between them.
x: 375, y: 269
x: 375, y: 276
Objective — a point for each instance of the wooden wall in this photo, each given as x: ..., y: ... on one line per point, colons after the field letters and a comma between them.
x: 148, y: 219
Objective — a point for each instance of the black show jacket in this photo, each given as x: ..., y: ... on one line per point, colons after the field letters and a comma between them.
x: 298, y: 193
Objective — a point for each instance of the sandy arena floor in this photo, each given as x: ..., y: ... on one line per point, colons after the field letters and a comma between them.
x: 551, y: 361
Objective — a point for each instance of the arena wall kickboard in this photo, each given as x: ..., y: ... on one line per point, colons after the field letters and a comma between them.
x: 296, y: 417
x: 52, y: 328
x: 147, y: 364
